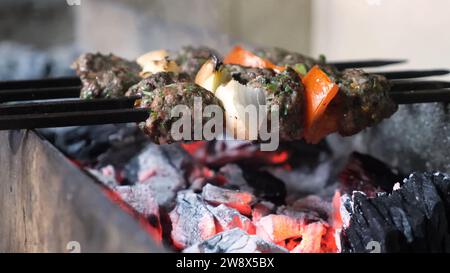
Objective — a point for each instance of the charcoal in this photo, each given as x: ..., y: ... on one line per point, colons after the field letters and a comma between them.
x: 198, y: 175
x: 235, y: 241
x: 106, y: 176
x: 142, y: 198
x: 277, y: 228
x: 235, y: 178
x: 152, y: 167
x: 177, y: 156
x: 87, y: 143
x: 262, y: 209
x: 302, y: 180
x: 368, y: 174
x: 240, y: 201
x: 192, y: 222
x: 414, y: 218
x: 312, y: 207
x: 229, y: 218
x: 122, y: 150
x: 311, y: 239
x: 218, y: 153
x: 304, y: 154
x: 265, y: 185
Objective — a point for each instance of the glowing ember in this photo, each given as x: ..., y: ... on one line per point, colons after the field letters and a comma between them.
x: 192, y: 222
x: 278, y: 228
x: 311, y: 239
x: 228, y: 218
x: 194, y: 147
x: 153, y: 228
x: 240, y: 201
x: 280, y: 157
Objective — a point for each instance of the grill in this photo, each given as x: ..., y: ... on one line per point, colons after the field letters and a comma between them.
x: 104, y: 186
x: 48, y: 203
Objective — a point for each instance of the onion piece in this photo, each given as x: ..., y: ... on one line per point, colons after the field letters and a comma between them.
x: 157, y: 61
x: 212, y: 74
x: 237, y: 99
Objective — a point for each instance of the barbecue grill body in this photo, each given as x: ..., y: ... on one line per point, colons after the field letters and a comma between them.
x: 47, y: 204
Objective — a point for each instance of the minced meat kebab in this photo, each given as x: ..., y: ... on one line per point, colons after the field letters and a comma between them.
x: 313, y: 98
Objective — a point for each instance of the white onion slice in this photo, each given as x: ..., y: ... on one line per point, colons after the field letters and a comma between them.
x: 211, y: 75
x: 242, y: 109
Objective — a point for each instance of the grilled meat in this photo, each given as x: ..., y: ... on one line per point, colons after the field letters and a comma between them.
x: 299, y: 62
x: 362, y: 101
x: 105, y: 76
x: 162, y: 100
x: 190, y: 59
x: 157, y: 80
x: 281, y: 56
x: 246, y: 74
x: 286, y: 91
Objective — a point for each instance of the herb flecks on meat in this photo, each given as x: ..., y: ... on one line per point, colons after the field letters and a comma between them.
x: 157, y: 80
x: 284, y: 90
x: 105, y: 76
x: 363, y: 99
x: 190, y: 59
x: 162, y: 100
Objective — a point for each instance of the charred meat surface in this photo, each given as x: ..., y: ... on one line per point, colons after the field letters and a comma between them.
x: 362, y: 101
x: 105, y: 76
x: 190, y: 59
x: 301, y: 63
x: 156, y: 80
x: 284, y: 90
x: 160, y: 103
x: 247, y: 74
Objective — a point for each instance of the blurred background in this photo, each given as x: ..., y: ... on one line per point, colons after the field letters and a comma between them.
x: 41, y: 38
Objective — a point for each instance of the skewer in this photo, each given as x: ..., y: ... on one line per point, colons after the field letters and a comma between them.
x: 39, y: 93
x: 64, y: 119
x: 103, y: 111
x: 366, y: 63
x: 391, y: 75
x: 67, y: 106
x: 421, y: 96
x: 40, y: 83
x: 406, y: 85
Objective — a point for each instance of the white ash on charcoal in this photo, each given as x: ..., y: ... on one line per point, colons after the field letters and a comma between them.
x: 261, y: 209
x: 241, y: 201
x: 192, y: 222
x: 151, y: 166
x: 235, y: 178
x: 235, y: 241
x: 106, y: 175
x: 312, y: 207
x: 141, y: 198
x: 229, y: 218
x: 300, y: 181
x: 413, y: 218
